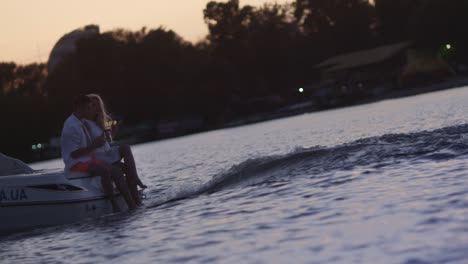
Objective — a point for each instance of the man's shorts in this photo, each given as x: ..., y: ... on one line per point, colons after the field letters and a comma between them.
x: 84, y: 166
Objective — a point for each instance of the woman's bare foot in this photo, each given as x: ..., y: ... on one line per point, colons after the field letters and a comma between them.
x: 141, y: 185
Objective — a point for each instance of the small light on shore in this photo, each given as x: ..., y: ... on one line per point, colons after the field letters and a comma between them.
x: 33, y: 147
x: 39, y: 145
x: 301, y: 90
x: 448, y: 46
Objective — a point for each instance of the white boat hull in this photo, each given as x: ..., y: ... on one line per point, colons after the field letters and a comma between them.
x: 49, y: 198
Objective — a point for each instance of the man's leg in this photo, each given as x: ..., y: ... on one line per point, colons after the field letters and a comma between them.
x: 117, y: 175
x: 98, y: 169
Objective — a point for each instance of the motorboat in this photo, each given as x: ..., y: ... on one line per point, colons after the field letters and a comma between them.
x: 30, y: 199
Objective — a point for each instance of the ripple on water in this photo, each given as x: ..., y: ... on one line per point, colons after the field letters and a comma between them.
x: 379, y: 183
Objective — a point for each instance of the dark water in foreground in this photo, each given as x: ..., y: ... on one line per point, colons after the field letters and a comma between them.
x: 379, y: 183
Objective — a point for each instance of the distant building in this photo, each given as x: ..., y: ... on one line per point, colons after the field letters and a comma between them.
x: 66, y: 45
x: 397, y: 64
x: 351, y: 77
x: 370, y: 66
x: 424, y: 66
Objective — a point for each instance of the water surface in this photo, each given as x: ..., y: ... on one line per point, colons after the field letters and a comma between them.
x: 377, y: 183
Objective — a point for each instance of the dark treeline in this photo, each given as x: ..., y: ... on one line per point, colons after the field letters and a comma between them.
x: 253, y: 60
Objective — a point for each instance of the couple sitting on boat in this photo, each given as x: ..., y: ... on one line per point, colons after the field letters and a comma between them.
x: 85, y: 149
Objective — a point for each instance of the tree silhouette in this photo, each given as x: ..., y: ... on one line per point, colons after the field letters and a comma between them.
x: 252, y: 61
x: 393, y: 19
x: 7, y: 75
x: 342, y: 25
x: 437, y: 22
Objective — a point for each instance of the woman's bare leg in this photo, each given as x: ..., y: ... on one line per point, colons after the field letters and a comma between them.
x: 119, y: 179
x: 134, y: 191
x: 131, y: 171
x: 132, y: 186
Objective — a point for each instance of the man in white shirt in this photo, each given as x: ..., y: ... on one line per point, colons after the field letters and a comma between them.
x: 78, y: 153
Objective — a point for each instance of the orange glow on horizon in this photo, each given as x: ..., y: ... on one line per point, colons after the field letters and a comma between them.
x: 29, y: 29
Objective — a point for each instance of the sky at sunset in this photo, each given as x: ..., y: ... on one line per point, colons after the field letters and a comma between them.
x: 30, y: 28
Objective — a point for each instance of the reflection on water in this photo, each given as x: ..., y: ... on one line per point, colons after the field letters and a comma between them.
x: 379, y: 183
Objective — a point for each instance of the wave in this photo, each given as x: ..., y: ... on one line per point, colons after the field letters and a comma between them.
x: 373, y: 153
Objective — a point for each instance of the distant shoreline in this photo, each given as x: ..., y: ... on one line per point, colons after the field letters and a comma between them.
x: 453, y: 83
x: 289, y: 111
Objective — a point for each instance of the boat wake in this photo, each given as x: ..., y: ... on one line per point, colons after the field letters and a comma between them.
x: 368, y: 153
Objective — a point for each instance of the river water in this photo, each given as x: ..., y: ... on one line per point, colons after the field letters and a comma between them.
x: 379, y: 183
